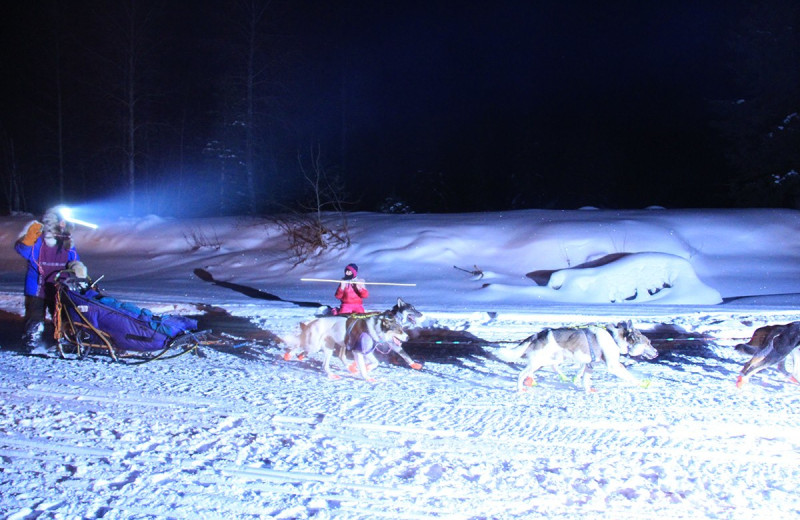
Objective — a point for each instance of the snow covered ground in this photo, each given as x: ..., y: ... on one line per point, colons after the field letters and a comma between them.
x: 237, y: 432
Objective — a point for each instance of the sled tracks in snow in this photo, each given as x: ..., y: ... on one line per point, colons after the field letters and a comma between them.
x: 227, y: 446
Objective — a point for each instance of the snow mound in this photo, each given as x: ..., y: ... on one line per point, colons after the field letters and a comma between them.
x: 636, y: 277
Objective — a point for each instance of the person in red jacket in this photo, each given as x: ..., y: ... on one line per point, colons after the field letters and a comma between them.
x: 351, y: 292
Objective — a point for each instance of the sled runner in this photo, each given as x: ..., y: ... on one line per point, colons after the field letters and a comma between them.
x: 87, y: 321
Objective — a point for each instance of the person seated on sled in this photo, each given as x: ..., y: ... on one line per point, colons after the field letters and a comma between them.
x: 76, y: 278
x: 47, y: 246
x: 351, y: 292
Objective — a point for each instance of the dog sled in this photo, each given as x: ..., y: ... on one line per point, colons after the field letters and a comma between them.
x: 88, y: 322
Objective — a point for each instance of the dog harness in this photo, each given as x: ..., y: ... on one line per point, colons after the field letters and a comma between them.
x: 358, y: 336
x: 364, y: 343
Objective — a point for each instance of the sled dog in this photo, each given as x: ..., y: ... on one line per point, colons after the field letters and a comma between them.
x: 772, y: 345
x: 581, y: 346
x: 329, y: 334
x: 363, y: 335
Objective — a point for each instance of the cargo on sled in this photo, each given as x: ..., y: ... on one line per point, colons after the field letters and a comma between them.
x: 87, y: 322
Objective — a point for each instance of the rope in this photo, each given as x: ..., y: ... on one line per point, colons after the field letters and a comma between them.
x: 57, y: 317
x: 485, y: 342
x: 359, y: 315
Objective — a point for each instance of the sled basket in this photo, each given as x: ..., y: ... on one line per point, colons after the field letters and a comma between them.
x: 90, y: 322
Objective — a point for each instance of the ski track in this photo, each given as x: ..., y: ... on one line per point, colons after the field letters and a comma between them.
x: 255, y: 438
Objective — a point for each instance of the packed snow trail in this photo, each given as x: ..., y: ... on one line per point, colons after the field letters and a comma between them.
x: 242, y: 433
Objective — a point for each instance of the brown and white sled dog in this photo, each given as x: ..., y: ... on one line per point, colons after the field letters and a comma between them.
x: 581, y: 346
x: 772, y: 345
x: 362, y: 337
x: 330, y: 333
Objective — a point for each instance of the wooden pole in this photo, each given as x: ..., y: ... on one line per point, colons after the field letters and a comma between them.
x: 356, y: 281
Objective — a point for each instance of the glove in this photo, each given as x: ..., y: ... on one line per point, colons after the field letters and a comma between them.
x: 33, y: 232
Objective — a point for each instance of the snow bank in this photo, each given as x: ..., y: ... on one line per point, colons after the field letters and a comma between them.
x: 679, y: 257
x: 638, y: 278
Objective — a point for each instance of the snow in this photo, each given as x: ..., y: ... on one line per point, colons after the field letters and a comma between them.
x: 240, y: 433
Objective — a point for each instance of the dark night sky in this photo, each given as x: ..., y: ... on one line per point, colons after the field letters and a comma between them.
x: 605, y: 96
x: 452, y: 106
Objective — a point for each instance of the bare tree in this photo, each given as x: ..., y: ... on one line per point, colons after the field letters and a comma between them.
x: 251, y: 22
x: 59, y: 103
x: 128, y: 27
x: 132, y: 52
x: 11, y: 177
x: 321, y: 224
x: 256, y: 10
x: 759, y: 126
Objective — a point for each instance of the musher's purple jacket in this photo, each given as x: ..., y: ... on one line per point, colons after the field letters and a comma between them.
x: 43, y: 264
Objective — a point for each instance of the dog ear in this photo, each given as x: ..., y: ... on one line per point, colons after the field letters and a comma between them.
x: 400, y: 302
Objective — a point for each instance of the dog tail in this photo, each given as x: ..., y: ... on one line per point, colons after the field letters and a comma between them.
x: 512, y: 354
x: 293, y: 342
x: 746, y: 348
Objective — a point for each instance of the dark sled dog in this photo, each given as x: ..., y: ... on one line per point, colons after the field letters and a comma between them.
x: 332, y: 333
x: 581, y: 346
x: 772, y: 345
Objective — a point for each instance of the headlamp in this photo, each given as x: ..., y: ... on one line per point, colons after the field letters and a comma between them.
x: 66, y: 213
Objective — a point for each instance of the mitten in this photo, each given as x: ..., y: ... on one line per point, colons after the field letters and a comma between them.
x: 33, y: 232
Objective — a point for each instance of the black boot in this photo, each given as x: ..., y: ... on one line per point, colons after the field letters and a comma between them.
x: 33, y: 338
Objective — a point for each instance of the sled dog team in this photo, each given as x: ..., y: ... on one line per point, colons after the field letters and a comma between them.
x: 362, y: 335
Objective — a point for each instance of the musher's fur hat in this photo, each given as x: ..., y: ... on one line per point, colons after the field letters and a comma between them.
x: 51, y: 231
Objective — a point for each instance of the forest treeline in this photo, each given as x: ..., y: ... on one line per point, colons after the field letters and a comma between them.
x: 244, y: 107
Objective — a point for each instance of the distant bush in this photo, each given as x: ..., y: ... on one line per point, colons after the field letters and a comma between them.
x: 199, y: 239
x: 392, y: 205
x: 311, y: 234
x: 321, y: 225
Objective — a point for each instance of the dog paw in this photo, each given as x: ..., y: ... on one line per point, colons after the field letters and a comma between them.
x: 739, y: 382
x: 287, y: 356
x: 416, y: 366
x: 528, y: 381
x: 353, y: 368
x: 301, y: 356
